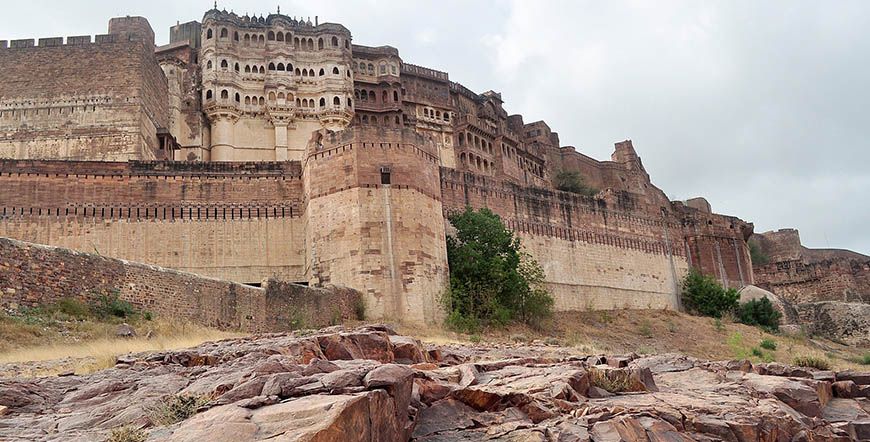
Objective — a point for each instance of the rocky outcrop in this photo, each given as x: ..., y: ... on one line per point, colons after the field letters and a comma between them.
x: 368, y: 384
x: 846, y: 321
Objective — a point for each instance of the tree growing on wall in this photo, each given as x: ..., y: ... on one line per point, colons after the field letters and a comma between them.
x: 572, y: 181
x: 492, y: 281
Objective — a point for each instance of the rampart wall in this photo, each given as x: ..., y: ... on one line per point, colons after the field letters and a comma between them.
x: 32, y: 274
x: 239, y: 221
x: 82, y: 99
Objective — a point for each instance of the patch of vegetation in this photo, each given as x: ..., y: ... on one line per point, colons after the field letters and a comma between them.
x: 176, y: 408
x: 768, y: 344
x: 492, y: 281
x: 359, y: 308
x: 759, y: 312
x: 614, y: 381
x: 645, y: 329
x: 756, y: 255
x: 127, y: 434
x: 110, y: 305
x: 812, y: 362
x: 703, y: 295
x: 572, y: 181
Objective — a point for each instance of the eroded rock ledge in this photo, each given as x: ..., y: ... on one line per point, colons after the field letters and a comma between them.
x: 370, y: 384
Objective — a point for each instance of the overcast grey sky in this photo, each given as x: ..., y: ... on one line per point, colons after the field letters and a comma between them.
x: 756, y: 105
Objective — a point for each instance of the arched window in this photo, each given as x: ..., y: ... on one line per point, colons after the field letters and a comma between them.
x: 280, y: 66
x: 236, y: 36
x: 224, y: 64
x: 236, y: 67
x: 336, y: 101
x: 225, y: 94
x: 322, y: 72
x: 395, y: 95
x: 335, y: 42
x: 270, y: 36
x: 335, y: 71
x: 208, y: 34
x: 224, y: 33
x: 322, y: 102
x: 372, y: 95
x: 271, y: 66
x: 279, y: 36
x: 208, y: 95
x: 319, y: 43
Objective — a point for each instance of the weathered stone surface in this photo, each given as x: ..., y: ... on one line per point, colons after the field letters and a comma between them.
x: 282, y: 387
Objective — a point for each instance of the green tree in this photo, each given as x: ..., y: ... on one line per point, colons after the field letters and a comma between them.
x: 760, y: 312
x: 756, y: 255
x: 492, y: 281
x: 572, y: 181
x: 703, y: 295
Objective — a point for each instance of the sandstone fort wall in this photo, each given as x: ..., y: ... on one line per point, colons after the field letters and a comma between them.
x: 101, y: 100
x: 32, y: 274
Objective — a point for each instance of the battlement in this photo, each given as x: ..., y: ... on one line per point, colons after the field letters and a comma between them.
x: 421, y: 71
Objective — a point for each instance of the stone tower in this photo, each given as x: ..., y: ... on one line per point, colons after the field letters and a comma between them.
x: 374, y: 219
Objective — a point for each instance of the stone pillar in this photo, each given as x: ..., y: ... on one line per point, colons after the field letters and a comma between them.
x: 222, y: 138
x: 280, y: 141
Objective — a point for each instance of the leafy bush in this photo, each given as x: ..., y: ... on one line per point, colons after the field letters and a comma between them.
x: 492, y: 281
x: 812, y: 362
x: 571, y: 181
x: 111, y: 305
x: 176, y: 408
x: 756, y: 255
x: 768, y: 344
x: 127, y: 434
x: 703, y: 295
x: 759, y: 312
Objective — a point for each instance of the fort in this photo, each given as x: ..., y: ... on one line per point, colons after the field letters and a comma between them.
x: 254, y: 148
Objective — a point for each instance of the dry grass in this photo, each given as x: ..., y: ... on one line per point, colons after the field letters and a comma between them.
x: 88, y: 346
x: 658, y: 331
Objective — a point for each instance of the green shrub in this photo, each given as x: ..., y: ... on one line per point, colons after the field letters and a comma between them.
x: 812, y: 362
x: 492, y: 281
x: 704, y: 296
x: 127, y: 434
x: 760, y: 312
x: 768, y: 344
x: 756, y: 255
x: 176, y: 408
x: 572, y: 181
x: 111, y: 305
